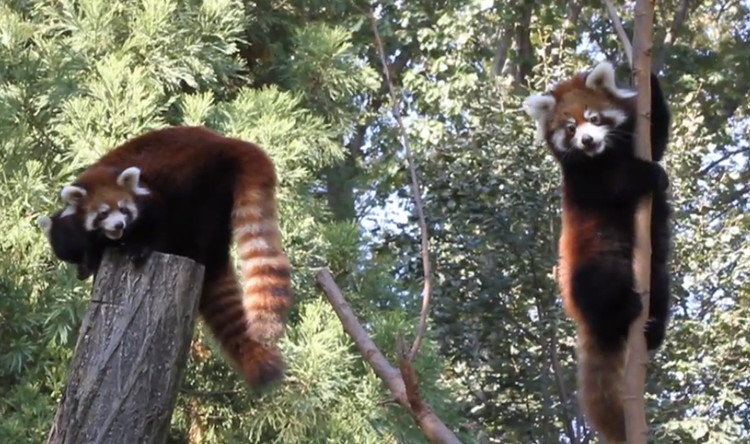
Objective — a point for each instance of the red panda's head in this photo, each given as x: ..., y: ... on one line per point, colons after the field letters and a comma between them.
x: 585, y: 114
x: 105, y: 200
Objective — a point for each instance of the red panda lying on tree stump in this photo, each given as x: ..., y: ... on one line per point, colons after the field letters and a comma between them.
x: 588, y: 123
x: 188, y: 191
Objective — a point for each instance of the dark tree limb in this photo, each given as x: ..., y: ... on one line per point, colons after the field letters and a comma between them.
x: 131, y: 352
x: 620, y: 30
x: 402, y: 388
x: 504, y: 42
x: 679, y: 18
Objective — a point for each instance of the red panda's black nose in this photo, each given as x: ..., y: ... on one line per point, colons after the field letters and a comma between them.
x: 119, y: 225
x: 587, y: 140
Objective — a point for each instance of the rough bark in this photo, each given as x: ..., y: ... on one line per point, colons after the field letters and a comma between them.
x: 637, y: 357
x: 131, y: 351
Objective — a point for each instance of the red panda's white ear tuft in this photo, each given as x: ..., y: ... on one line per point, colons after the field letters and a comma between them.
x: 45, y: 223
x: 72, y: 195
x: 603, y: 77
x: 130, y: 179
x: 539, y: 107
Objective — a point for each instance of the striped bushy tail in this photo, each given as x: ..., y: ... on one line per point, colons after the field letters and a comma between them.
x: 265, y: 268
x: 223, y: 311
x: 600, y: 385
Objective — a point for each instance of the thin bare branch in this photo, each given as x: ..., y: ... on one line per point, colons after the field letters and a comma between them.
x: 403, y: 389
x: 427, y: 289
x: 617, y: 24
x: 562, y: 390
x: 726, y: 156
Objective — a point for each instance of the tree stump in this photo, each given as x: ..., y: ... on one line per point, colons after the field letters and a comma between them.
x: 131, y: 351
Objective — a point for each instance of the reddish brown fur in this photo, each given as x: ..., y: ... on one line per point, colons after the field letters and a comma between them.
x: 600, y: 371
x: 224, y: 314
x: 600, y: 385
x: 247, y: 322
x: 106, y: 192
x: 578, y: 242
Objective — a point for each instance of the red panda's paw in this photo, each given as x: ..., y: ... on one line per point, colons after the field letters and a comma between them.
x: 661, y: 179
x: 137, y: 254
x: 655, y: 331
x: 83, y: 272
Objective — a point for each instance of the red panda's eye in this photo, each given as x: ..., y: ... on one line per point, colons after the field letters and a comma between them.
x: 125, y: 210
x: 571, y: 129
x: 594, y: 119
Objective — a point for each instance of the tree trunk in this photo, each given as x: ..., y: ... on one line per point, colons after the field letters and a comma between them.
x: 131, y: 352
x: 637, y: 357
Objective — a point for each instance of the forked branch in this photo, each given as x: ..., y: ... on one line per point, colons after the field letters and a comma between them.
x: 402, y: 384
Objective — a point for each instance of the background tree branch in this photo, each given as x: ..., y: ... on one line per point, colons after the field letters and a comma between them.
x: 679, y: 18
x: 426, y: 269
x: 402, y: 384
x: 627, y: 47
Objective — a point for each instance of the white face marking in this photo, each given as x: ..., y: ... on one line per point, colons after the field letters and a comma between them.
x: 558, y: 139
x: 589, y: 138
x: 617, y: 115
x: 112, y: 222
x: 131, y: 207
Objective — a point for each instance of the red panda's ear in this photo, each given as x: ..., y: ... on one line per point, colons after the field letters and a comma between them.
x: 72, y: 194
x: 539, y: 107
x: 130, y: 179
x: 602, y: 77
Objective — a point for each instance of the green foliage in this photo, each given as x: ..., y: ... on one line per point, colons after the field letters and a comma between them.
x: 303, y: 80
x: 78, y: 78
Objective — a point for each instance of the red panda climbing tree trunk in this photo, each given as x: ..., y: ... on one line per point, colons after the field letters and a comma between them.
x: 639, y: 57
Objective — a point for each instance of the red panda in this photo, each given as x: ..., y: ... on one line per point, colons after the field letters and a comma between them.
x: 189, y: 191
x: 588, y: 123
x: 71, y: 243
